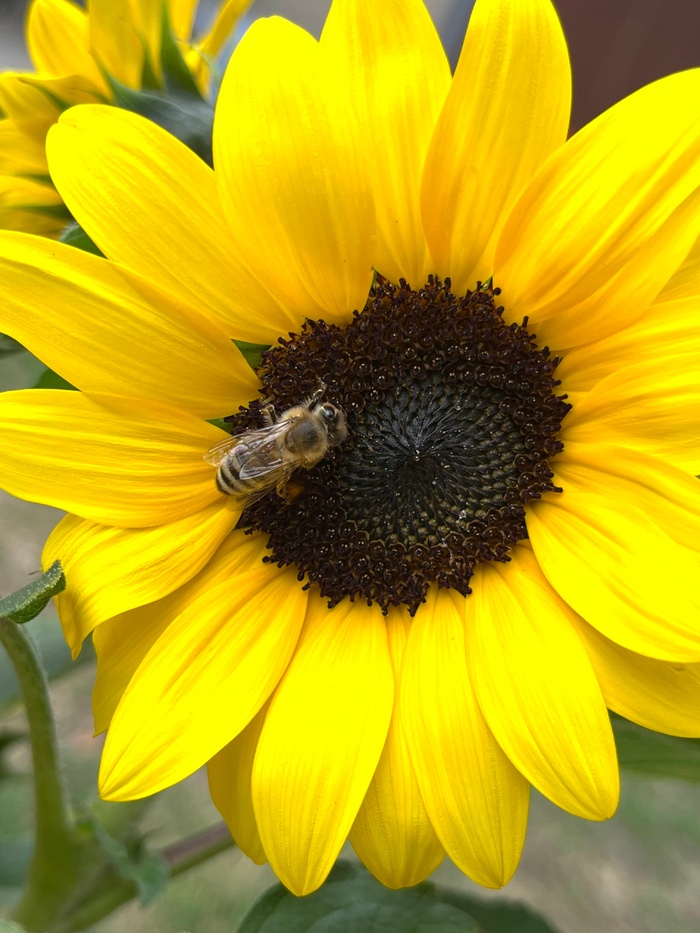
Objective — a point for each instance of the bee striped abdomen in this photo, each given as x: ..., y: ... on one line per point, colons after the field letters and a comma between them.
x: 228, y: 477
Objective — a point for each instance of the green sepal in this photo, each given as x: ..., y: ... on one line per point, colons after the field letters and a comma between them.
x: 352, y: 900
x: 51, y: 380
x: 252, y: 352
x: 149, y: 79
x: 190, y: 119
x: 652, y: 753
x: 220, y: 423
x: 9, y: 345
x: 177, y: 76
x: 58, y: 211
x: 27, y: 603
x: 74, y: 235
x: 129, y: 856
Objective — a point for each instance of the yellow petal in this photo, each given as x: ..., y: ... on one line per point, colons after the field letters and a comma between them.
x: 212, y: 42
x: 398, y: 77
x: 105, y: 331
x: 111, y: 570
x: 608, y: 220
x: 34, y: 102
x: 147, y: 18
x: 665, y: 332
x: 31, y: 207
x: 476, y: 800
x: 685, y: 282
x: 507, y: 111
x: 181, y: 15
x: 123, y: 642
x: 292, y: 173
x: 230, y: 772
x: 614, y: 565
x: 648, y: 406
x: 202, y: 682
x: 23, y: 99
x: 665, y: 494
x: 392, y: 833
x: 21, y: 154
x: 151, y: 204
x: 57, y: 40
x: 115, y: 41
x: 537, y: 689
x: 322, y: 740
x: 658, y: 695
x: 116, y: 461
x: 199, y: 56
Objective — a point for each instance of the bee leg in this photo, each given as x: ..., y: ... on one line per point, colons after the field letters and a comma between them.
x: 269, y: 414
x: 292, y: 491
x: 281, y: 490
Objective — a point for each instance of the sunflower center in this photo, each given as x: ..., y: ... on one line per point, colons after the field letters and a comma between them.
x: 428, y: 460
x: 452, y: 417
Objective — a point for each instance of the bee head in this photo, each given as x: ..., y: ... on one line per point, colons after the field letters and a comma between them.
x: 335, y: 423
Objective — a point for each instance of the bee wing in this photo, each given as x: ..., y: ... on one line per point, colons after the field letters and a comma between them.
x: 251, y: 440
x: 267, y: 481
x: 268, y: 474
x: 217, y: 453
x: 259, y: 462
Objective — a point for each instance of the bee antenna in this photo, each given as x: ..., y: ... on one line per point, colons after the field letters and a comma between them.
x: 318, y: 393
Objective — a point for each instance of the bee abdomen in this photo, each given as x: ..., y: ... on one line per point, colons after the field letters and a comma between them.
x: 228, y: 478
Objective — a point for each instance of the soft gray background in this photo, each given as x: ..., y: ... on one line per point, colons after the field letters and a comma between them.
x: 639, y: 873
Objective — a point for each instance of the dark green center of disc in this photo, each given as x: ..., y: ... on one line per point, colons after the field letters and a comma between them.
x: 428, y: 460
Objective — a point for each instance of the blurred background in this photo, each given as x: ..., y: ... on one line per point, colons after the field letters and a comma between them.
x: 640, y: 872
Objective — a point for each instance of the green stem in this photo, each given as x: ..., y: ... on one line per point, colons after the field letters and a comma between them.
x: 53, y: 868
x: 190, y: 852
x: 180, y: 856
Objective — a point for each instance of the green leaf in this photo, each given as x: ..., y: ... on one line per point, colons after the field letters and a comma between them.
x: 252, y: 352
x: 51, y: 380
x: 129, y: 856
x: 119, y: 819
x: 653, y: 753
x: 74, y: 235
x: 351, y: 901
x: 496, y: 916
x: 28, y: 602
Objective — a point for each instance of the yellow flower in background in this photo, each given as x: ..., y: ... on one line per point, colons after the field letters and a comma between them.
x: 509, y: 535
x: 79, y: 54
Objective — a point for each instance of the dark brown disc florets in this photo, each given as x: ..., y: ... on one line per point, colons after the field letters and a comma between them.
x: 452, y: 418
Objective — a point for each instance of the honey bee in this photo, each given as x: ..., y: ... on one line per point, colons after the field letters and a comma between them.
x: 252, y: 464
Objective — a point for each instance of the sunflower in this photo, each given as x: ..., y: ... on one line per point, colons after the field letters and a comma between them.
x: 438, y: 613
x: 93, y: 55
